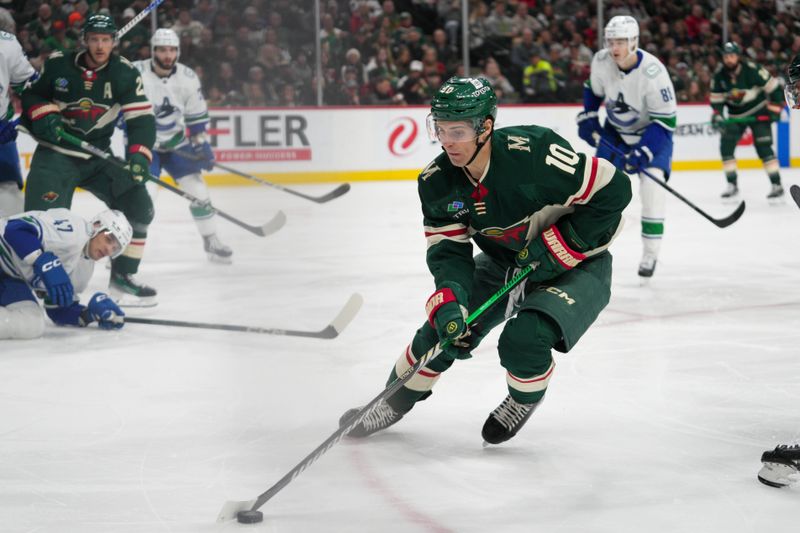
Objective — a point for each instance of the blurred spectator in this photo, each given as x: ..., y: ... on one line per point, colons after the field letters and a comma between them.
x: 58, y: 40
x: 39, y: 28
x: 522, y: 19
x: 413, y: 86
x: 185, y: 25
x: 539, y: 84
x: 502, y: 87
x: 382, y: 93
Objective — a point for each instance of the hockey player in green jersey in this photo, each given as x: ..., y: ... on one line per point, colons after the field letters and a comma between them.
x: 84, y: 92
x: 754, y: 99
x: 524, y: 197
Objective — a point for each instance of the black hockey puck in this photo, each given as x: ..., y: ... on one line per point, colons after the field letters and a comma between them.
x: 249, y: 517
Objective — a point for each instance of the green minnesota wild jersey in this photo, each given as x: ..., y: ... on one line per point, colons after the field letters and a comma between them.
x: 90, y: 101
x: 746, y: 91
x: 535, y: 186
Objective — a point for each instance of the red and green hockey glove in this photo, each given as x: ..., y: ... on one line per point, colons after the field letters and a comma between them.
x: 553, y: 255
x: 46, y: 122
x: 449, y: 318
x: 139, y: 158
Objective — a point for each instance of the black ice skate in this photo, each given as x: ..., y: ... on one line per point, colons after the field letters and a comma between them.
x: 780, y: 465
x: 505, y: 421
x: 217, y: 252
x: 775, y: 193
x: 380, y: 418
x: 647, y: 266
x: 731, y: 193
x: 128, y: 292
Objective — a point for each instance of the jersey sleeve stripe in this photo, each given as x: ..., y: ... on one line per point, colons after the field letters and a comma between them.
x: 453, y: 232
x: 138, y: 109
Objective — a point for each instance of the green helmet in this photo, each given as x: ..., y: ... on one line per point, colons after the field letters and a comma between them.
x: 465, y: 99
x: 99, y: 23
x: 731, y: 48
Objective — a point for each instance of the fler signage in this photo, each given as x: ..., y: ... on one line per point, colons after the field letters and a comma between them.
x: 259, y: 136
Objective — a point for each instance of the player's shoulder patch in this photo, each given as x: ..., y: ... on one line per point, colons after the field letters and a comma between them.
x: 5, y: 36
x: 186, y: 71
x: 601, y: 55
x: 55, y: 55
x: 652, y: 70
x: 124, y: 61
x: 432, y: 168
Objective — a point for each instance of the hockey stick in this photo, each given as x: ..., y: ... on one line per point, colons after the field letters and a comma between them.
x: 794, y: 190
x: 135, y: 20
x: 719, y: 222
x: 335, y: 193
x: 331, y: 331
x: 732, y: 120
x: 272, y: 226
x: 232, y: 508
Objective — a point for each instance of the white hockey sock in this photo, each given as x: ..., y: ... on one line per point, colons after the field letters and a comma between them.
x: 653, y: 211
x: 204, y: 218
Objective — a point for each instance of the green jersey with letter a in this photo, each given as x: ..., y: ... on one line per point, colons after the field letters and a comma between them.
x: 534, y: 179
x: 745, y: 91
x: 91, y: 101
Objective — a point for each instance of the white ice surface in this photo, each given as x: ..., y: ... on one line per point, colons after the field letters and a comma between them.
x: 655, y: 422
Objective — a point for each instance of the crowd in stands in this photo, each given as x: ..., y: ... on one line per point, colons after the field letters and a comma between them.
x: 397, y: 52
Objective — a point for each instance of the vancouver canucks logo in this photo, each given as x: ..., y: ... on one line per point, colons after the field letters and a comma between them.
x: 83, y: 114
x: 620, y: 113
x: 165, y: 109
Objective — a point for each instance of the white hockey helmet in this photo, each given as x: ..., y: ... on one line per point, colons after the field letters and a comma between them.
x: 115, y: 223
x: 623, y: 27
x: 165, y: 37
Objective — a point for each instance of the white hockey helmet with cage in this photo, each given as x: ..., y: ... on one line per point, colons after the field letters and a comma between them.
x: 165, y: 37
x: 113, y: 222
x: 623, y: 27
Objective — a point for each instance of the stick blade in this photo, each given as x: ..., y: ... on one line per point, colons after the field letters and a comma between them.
x: 273, y: 225
x: 794, y: 190
x: 345, y: 316
x: 730, y: 219
x: 335, y: 193
x: 231, y: 508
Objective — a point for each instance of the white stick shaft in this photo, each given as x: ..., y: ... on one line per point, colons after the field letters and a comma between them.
x: 135, y: 20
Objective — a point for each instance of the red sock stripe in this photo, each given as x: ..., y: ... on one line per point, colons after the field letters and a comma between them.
x: 411, y: 361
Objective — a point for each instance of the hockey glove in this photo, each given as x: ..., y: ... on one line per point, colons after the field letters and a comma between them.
x: 449, y: 318
x: 107, y: 313
x: 46, y: 122
x: 718, y: 123
x: 138, y: 165
x: 8, y: 131
x: 637, y: 159
x: 552, y: 255
x: 49, y: 269
x: 588, y: 127
x: 205, y: 155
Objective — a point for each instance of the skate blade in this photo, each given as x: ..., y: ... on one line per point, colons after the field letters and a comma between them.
x: 214, y: 258
x: 129, y: 300
x: 777, y: 475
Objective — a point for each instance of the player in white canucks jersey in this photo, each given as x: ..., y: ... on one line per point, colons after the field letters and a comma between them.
x: 641, y: 115
x: 15, y: 71
x: 53, y: 253
x: 178, y: 103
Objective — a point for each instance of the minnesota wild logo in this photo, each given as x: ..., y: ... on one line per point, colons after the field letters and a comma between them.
x: 83, y: 114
